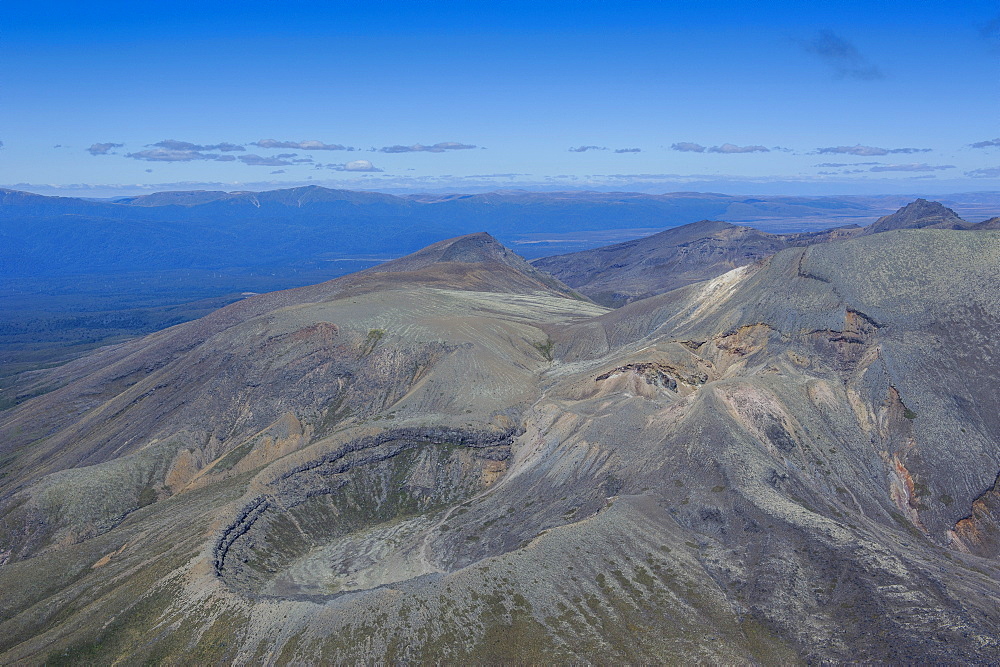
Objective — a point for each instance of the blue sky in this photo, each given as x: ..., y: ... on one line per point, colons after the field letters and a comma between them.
x: 783, y: 97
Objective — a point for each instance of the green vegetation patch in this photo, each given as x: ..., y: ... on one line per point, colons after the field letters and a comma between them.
x: 374, y: 336
x: 545, y: 349
x: 234, y: 457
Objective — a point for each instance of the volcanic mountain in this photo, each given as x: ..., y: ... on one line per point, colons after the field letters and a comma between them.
x: 626, y: 272
x: 919, y: 214
x: 451, y: 458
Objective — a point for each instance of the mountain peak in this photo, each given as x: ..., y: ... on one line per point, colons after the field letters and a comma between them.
x: 503, y: 267
x: 468, y: 249
x: 479, y: 247
x: 916, y: 215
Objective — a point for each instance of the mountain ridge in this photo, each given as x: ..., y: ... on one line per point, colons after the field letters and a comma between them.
x: 476, y: 248
x: 699, y: 251
x: 433, y: 268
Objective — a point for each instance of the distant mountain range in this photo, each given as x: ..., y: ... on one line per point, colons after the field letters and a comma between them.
x: 44, y: 236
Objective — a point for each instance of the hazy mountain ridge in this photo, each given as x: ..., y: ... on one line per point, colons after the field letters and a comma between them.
x: 47, y: 236
x: 449, y: 459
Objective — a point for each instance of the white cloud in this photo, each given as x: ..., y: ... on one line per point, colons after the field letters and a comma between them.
x: 308, y: 145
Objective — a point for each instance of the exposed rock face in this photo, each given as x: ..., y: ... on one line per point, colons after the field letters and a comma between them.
x: 793, y: 461
x: 658, y: 375
x: 255, y: 555
x: 979, y: 533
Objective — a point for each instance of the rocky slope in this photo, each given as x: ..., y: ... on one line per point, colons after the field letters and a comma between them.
x: 619, y: 274
x: 455, y: 460
x: 625, y: 272
x: 992, y: 223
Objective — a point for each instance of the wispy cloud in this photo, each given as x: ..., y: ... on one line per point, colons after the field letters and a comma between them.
x: 731, y: 148
x: 174, y: 145
x: 628, y: 150
x: 844, y: 164
x: 168, y: 155
x: 917, y: 166
x: 282, y: 160
x: 354, y: 165
x: 986, y: 144
x: 584, y: 149
x: 842, y: 56
x: 309, y: 145
x: 690, y: 147
x: 102, y: 149
x: 509, y: 175
x: 867, y: 151
x: 988, y: 172
x: 360, y: 165
x: 420, y: 148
